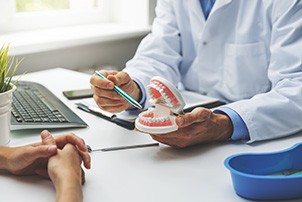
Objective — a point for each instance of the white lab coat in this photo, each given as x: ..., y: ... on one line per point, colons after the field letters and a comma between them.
x: 248, y: 53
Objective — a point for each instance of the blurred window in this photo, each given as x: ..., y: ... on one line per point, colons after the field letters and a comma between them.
x: 19, y: 15
x: 41, y: 5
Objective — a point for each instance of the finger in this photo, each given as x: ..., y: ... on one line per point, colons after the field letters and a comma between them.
x: 132, y: 89
x: 108, y: 102
x: 116, y: 109
x: 83, y: 176
x: 79, y: 143
x: 47, y: 138
x: 42, y: 151
x: 71, y: 138
x: 106, y: 93
x: 197, y: 115
x: 109, y: 72
x: 81, y: 155
x: 158, y: 139
x: 99, y: 82
x: 168, y: 141
x: 174, y: 134
x: 75, y: 151
x: 86, y: 159
x: 120, y: 78
x: 113, y: 104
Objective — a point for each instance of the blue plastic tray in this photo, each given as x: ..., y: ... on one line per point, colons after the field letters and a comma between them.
x: 267, y: 176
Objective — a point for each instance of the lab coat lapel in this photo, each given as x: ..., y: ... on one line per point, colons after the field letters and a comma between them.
x: 197, y: 19
x: 219, y: 4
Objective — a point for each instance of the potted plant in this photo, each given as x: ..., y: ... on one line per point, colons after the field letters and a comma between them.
x: 8, y: 67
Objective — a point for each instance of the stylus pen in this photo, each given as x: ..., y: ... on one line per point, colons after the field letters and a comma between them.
x: 122, y: 93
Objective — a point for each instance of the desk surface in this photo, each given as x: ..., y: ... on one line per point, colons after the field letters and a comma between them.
x: 145, y: 174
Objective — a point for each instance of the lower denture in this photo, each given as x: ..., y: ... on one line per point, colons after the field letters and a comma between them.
x: 147, y: 119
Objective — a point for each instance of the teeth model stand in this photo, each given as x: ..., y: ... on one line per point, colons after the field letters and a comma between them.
x: 168, y: 101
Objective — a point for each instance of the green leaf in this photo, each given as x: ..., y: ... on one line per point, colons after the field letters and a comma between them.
x: 8, y: 68
x: 13, y: 73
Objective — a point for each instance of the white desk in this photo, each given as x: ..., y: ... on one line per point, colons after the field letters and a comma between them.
x: 145, y: 174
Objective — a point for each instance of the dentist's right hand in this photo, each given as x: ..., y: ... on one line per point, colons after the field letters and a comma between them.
x: 104, y: 95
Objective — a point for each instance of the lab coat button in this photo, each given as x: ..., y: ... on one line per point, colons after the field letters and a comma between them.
x: 204, y: 43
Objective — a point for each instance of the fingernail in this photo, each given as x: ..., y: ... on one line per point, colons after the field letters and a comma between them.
x: 181, y: 121
x: 45, y: 133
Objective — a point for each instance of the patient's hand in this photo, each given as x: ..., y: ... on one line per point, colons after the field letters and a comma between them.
x: 32, y: 159
x: 65, y: 171
x: 61, y: 140
x: 27, y: 160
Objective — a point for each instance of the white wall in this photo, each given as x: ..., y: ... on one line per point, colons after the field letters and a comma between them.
x: 115, y: 53
x: 83, y: 57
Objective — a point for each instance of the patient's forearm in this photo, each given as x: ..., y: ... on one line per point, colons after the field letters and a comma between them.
x: 69, y: 190
x: 4, y: 151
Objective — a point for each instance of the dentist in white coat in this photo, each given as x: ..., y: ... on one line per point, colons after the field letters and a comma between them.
x: 247, y: 53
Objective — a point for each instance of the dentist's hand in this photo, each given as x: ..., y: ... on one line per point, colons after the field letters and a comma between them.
x: 104, y: 95
x: 197, y: 127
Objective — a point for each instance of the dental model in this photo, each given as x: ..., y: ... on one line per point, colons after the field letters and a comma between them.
x: 168, y: 101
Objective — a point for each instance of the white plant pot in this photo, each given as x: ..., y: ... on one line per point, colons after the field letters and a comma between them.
x: 5, y: 113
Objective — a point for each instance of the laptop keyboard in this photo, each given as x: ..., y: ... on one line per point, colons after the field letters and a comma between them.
x: 34, y: 106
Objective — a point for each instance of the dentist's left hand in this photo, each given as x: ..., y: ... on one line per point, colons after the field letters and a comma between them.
x: 197, y: 127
